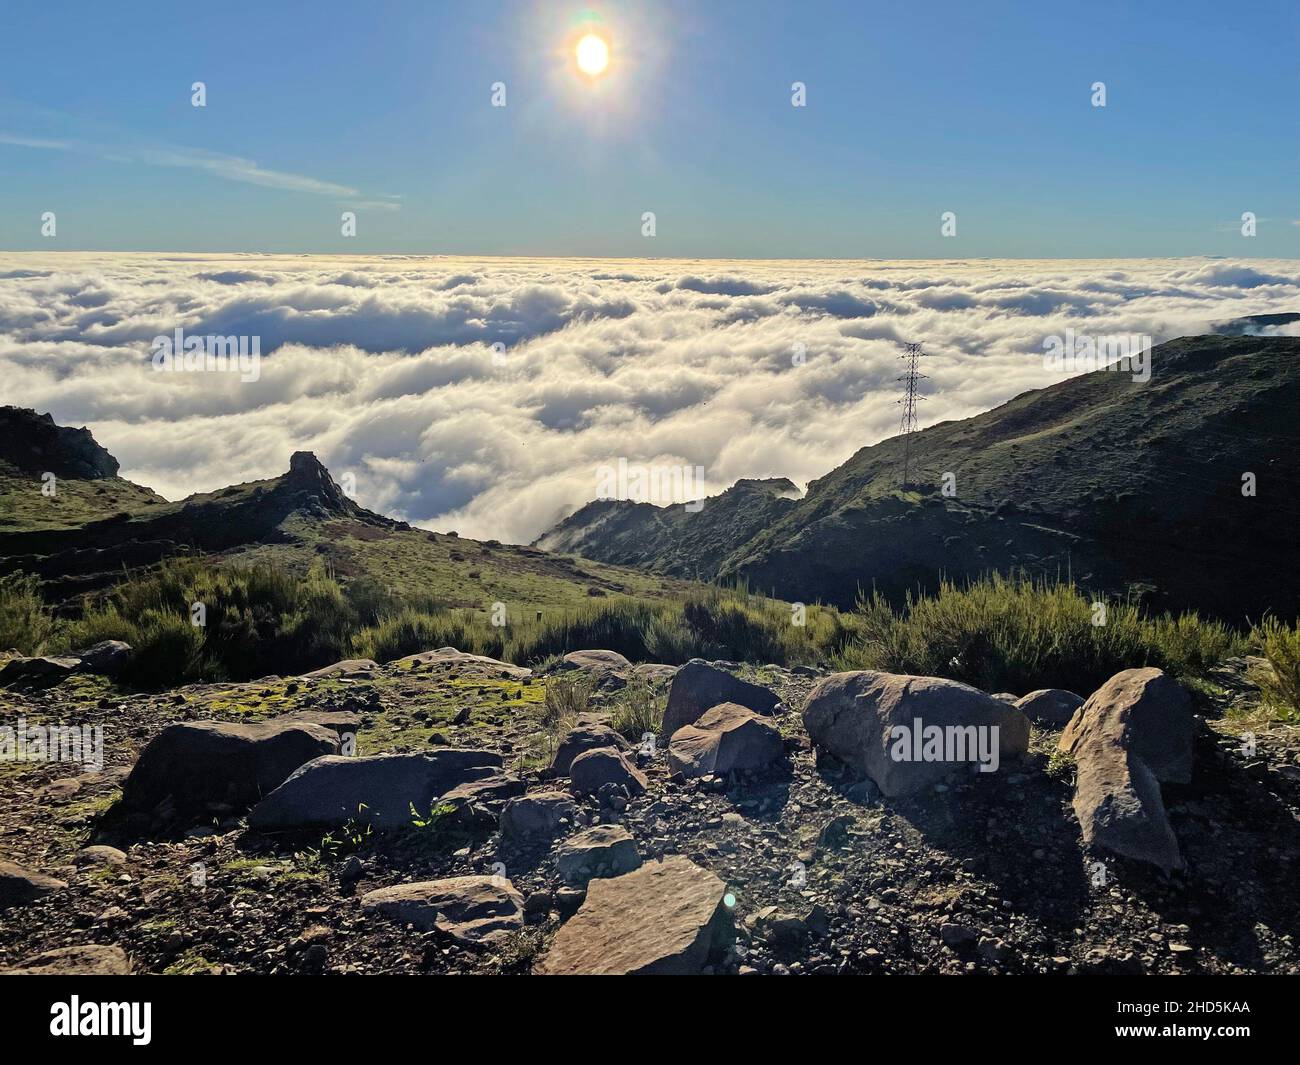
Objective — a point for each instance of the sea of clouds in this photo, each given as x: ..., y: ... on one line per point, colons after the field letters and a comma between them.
x: 385, y: 366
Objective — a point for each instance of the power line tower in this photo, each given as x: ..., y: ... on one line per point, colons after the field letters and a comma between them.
x: 907, y: 426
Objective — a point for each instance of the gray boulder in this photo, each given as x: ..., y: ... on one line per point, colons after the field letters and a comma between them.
x: 202, y: 762
x: 449, y: 657
x: 349, y: 668
x: 587, y: 734
x: 107, y: 658
x: 470, y: 909
x: 698, y: 687
x: 592, y: 770
x: 19, y: 885
x: 664, y: 919
x: 1156, y: 714
x: 725, y: 738
x: 537, y: 818
x: 601, y: 851
x: 1050, y: 707
x: 654, y: 673
x: 43, y: 670
x: 99, y: 855
x: 1133, y: 733
x: 907, y: 733
x: 376, y: 789
x: 596, y: 661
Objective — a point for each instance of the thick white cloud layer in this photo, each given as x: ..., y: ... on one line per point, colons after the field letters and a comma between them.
x: 386, y: 366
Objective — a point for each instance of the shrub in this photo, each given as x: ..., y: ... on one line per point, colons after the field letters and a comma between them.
x: 25, y: 621
x: 637, y: 710
x: 567, y: 696
x: 1280, y: 686
x: 1014, y: 634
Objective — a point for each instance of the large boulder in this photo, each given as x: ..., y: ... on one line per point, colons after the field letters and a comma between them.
x: 596, y: 661
x: 1154, y: 712
x: 537, y: 818
x: 604, y: 850
x: 348, y: 669
x: 656, y: 674
x: 491, y: 791
x: 471, y: 909
x: 107, y: 658
x: 665, y: 918
x: 592, y: 770
x: 39, y: 671
x: 479, y: 802
x: 698, y: 687
x: 907, y: 733
x: 200, y: 762
x: 478, y: 664
x: 607, y: 670
x: 19, y: 886
x: 1050, y: 707
x: 588, y: 734
x: 1132, y: 733
x: 89, y: 960
x: 377, y: 789
x: 725, y: 738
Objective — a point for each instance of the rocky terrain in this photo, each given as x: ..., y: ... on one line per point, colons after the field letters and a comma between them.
x: 1121, y: 484
x: 437, y: 814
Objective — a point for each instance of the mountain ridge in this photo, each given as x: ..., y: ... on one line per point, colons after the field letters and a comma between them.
x: 1120, y: 484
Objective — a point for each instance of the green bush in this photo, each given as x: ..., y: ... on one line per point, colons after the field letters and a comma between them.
x: 567, y: 696
x: 1280, y: 686
x: 258, y: 620
x: 1017, y: 635
x: 636, y: 711
x: 167, y: 650
x: 26, y: 623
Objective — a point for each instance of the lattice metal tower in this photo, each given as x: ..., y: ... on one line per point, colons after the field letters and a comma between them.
x: 907, y: 426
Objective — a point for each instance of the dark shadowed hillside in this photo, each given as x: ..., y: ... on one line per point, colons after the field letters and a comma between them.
x: 1114, y: 482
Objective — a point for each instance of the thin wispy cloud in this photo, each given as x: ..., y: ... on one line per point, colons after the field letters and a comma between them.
x: 217, y: 164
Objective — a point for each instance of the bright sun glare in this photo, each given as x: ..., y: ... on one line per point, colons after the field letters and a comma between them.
x: 593, y: 55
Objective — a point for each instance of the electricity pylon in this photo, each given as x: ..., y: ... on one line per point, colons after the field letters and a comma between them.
x: 907, y: 426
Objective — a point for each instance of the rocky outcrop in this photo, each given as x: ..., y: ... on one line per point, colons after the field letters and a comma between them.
x: 698, y: 687
x: 470, y: 909
x: 1133, y: 733
x: 664, y: 919
x: 907, y: 733
x: 726, y: 738
x: 449, y: 657
x: 377, y: 789
x: 349, y: 668
x: 207, y: 762
x: 33, y: 443
x: 601, y: 851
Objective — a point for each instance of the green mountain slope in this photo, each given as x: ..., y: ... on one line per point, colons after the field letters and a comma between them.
x: 97, y: 525
x: 1117, y: 483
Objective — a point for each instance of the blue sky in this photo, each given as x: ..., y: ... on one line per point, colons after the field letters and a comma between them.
x: 913, y: 109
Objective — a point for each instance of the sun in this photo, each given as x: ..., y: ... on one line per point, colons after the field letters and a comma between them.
x: 592, y: 54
